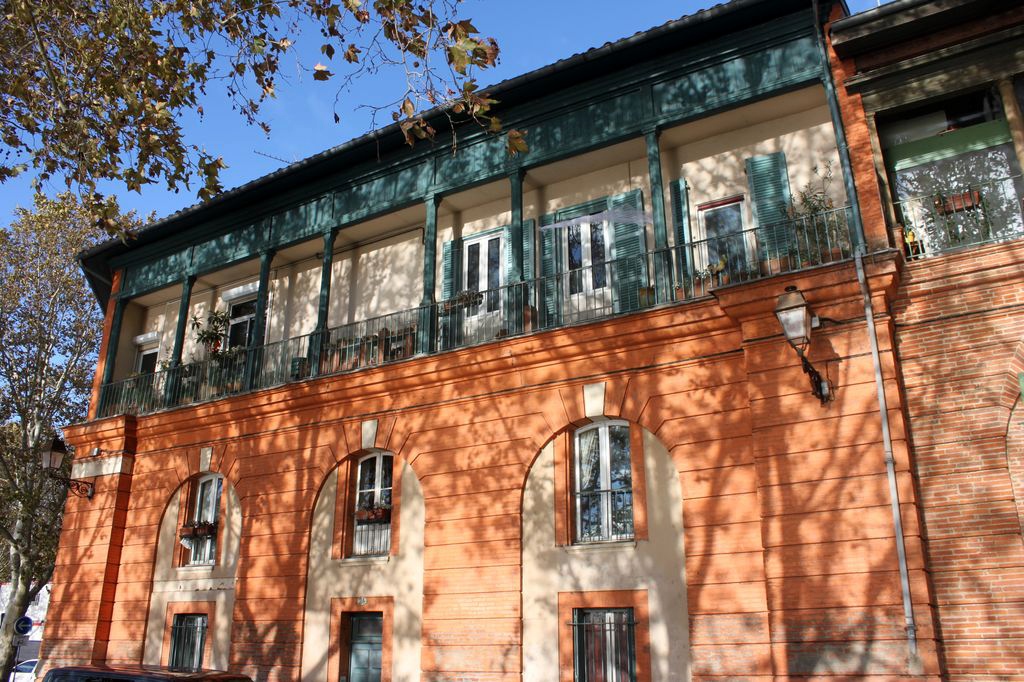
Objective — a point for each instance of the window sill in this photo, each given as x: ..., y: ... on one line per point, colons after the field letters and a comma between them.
x: 366, y: 560
x: 604, y: 546
x: 196, y: 568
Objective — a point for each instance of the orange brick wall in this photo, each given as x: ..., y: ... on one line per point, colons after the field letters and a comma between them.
x: 789, y: 544
x: 959, y: 328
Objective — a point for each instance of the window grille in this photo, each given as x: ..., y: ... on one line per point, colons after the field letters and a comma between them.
x: 604, y: 645
x: 188, y: 639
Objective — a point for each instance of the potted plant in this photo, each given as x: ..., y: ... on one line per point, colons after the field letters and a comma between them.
x: 376, y: 514
x: 211, y: 334
x: 198, y: 529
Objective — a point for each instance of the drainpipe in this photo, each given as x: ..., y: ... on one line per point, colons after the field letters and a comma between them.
x: 837, y: 125
x: 890, y: 470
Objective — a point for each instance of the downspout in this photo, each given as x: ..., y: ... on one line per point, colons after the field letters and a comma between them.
x: 890, y: 470
x: 860, y: 248
x: 857, y: 238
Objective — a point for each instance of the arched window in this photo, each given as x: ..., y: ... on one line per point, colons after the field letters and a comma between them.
x: 603, y: 483
x: 199, y: 536
x: 374, y: 476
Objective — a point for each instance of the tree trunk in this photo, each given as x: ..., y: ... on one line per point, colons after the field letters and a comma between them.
x: 16, y: 607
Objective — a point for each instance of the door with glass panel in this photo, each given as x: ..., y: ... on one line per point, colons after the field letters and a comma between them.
x: 725, y: 249
x: 484, y: 273
x: 587, y: 289
x: 365, y: 647
x: 604, y: 483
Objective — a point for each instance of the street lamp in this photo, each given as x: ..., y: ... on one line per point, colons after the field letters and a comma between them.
x: 53, y: 458
x: 797, y: 321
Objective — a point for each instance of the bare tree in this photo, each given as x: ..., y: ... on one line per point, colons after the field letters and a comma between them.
x: 49, y: 328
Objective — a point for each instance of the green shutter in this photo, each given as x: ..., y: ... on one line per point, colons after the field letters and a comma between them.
x: 630, y: 253
x: 679, y: 192
x: 451, y: 268
x: 769, y: 189
x: 528, y: 239
x: 550, y: 267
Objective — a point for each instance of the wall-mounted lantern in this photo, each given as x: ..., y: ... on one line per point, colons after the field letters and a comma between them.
x: 797, y: 321
x: 53, y: 458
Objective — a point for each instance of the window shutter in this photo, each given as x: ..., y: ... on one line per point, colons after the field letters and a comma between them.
x: 550, y: 267
x: 630, y: 246
x: 528, y: 240
x: 769, y: 189
x: 451, y: 268
x: 679, y: 193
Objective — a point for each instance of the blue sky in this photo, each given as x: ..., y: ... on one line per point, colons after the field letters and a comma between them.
x: 531, y: 34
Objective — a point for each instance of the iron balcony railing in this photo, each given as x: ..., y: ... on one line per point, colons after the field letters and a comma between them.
x: 372, y: 537
x: 470, y: 318
x: 604, y: 515
x: 960, y: 215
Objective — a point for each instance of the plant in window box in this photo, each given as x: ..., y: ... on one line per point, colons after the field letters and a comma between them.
x: 461, y: 301
x: 211, y: 334
x: 198, y: 529
x: 377, y: 514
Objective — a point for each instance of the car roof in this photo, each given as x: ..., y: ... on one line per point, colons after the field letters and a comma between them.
x: 146, y: 672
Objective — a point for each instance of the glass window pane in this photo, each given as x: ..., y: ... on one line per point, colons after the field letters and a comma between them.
x: 597, y: 256
x: 243, y: 309
x: 723, y: 226
x: 473, y: 267
x: 575, y: 247
x: 367, y: 473
x: 386, y: 464
x: 588, y: 450
x: 238, y: 334
x: 493, y: 272
x: 364, y: 500
x: 619, y: 474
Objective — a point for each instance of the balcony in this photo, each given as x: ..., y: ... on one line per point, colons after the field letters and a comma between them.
x: 962, y: 215
x: 623, y: 286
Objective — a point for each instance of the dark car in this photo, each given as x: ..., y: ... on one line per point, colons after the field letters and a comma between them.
x: 138, y: 673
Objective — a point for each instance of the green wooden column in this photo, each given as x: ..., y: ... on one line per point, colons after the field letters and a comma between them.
x: 113, y: 340
x: 427, y: 335
x: 319, y: 337
x: 179, y: 329
x: 257, y: 336
x: 662, y: 258
x: 515, y: 273
x: 172, y: 380
x: 106, y: 396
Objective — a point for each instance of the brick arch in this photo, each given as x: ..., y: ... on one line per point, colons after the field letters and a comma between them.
x: 1015, y: 456
x: 180, y: 588
x: 337, y: 583
x: 647, y: 574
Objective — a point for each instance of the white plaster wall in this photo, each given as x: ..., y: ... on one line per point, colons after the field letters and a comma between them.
x: 386, y: 277
x: 400, y: 577
x: 195, y: 583
x: 715, y: 167
x: 656, y: 565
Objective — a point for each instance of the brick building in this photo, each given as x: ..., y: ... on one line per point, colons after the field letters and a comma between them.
x: 476, y: 417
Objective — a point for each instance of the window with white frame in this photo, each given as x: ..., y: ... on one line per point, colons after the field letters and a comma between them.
x: 374, y: 477
x: 604, y: 483
x: 483, y: 258
x: 145, y: 362
x: 724, y: 246
x: 241, y: 316
x: 188, y: 639
x: 200, y: 532
x: 604, y: 645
